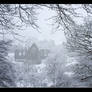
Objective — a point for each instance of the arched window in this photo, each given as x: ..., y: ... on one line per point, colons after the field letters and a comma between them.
x: 20, y: 53
x: 23, y: 53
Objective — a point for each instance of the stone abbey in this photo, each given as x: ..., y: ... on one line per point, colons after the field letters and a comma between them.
x: 32, y: 54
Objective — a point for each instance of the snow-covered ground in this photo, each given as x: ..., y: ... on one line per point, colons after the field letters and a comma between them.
x: 29, y: 75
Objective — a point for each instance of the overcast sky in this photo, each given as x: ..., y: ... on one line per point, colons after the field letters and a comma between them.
x: 45, y: 28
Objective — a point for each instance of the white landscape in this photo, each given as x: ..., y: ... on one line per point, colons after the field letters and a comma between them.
x: 45, y: 45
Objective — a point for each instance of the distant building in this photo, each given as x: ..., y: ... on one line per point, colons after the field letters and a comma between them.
x: 32, y: 55
x: 19, y: 54
x: 44, y: 53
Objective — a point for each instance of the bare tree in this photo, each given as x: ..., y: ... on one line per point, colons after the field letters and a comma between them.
x: 15, y: 16
x: 7, y: 77
x: 81, y: 44
x: 12, y: 16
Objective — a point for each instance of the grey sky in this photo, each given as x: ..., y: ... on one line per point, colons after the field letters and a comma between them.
x: 46, y: 29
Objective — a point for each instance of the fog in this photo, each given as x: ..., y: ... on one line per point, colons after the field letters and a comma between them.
x: 54, y: 54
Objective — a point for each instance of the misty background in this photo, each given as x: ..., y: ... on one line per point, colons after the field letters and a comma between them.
x: 45, y: 45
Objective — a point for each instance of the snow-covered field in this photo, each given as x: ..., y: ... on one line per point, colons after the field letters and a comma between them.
x: 46, y: 74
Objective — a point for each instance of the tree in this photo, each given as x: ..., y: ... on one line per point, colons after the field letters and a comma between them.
x: 56, y: 68
x: 9, y: 13
x: 7, y: 78
x: 81, y: 44
x: 16, y: 15
x: 26, y: 13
